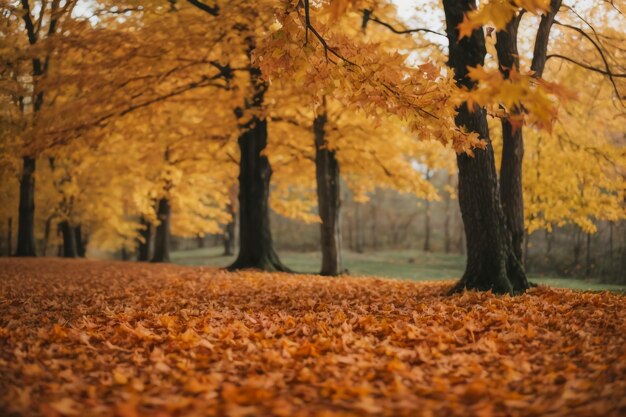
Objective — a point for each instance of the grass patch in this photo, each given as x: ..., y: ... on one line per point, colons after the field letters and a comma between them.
x: 403, y: 264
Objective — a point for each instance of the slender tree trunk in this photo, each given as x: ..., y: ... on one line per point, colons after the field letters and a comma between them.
x: 229, y: 237
x: 162, y: 237
x: 350, y: 232
x: 10, y: 236
x: 588, y: 262
x: 69, y: 240
x: 200, y: 241
x: 447, y: 244
x: 577, y: 248
x: 143, y: 252
x: 357, y: 229
x: 427, y: 227
x: 46, y: 235
x: 611, y: 248
x: 491, y: 260
x: 328, y: 200
x: 229, y: 232
x: 512, y: 143
x: 26, y: 221
x: 427, y: 220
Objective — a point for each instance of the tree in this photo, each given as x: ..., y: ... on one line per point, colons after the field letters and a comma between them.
x: 491, y: 260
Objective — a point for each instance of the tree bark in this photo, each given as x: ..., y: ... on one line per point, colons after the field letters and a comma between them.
x: 540, y: 51
x: 328, y: 199
x: 10, y: 236
x: 229, y: 232
x: 256, y: 249
x: 81, y: 242
x: 69, y: 240
x: 143, y: 252
x: 255, y: 237
x: 26, y: 221
x: 511, y: 193
x: 162, y: 237
x: 588, y: 265
x: 427, y: 220
x: 46, y: 235
x: 491, y: 260
x: 447, y: 244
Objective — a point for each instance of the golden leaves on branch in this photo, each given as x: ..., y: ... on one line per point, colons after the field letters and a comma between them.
x: 92, y: 338
x: 499, y: 13
x: 521, y: 98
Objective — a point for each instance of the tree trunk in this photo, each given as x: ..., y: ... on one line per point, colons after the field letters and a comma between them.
x: 427, y: 220
x: 69, y: 240
x: 256, y: 249
x: 588, y: 261
x: 255, y: 237
x: 46, y: 235
x: 611, y: 248
x: 328, y: 200
x: 491, y: 260
x: 229, y: 239
x: 26, y: 221
x: 512, y: 143
x: 229, y: 232
x: 81, y: 242
x: 447, y: 244
x: 200, y: 241
x: 143, y: 249
x: 162, y: 237
x: 10, y: 236
x: 427, y: 227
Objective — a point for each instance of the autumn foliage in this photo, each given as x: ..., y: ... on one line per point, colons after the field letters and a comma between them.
x: 83, y: 338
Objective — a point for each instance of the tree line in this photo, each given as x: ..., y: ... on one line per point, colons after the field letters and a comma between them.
x: 139, y: 111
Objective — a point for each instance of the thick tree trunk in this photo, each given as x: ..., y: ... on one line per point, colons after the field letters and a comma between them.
x: 256, y: 249
x: 162, y: 237
x: 200, y: 241
x: 491, y: 260
x: 328, y: 200
x: 255, y: 237
x: 69, y: 240
x: 229, y: 232
x: 81, y: 242
x: 143, y: 249
x: 26, y: 221
x: 512, y: 143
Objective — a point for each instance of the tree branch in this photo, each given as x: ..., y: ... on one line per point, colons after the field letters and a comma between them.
x: 367, y: 16
x: 212, y: 10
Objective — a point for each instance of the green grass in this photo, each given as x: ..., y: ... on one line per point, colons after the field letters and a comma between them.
x: 403, y: 264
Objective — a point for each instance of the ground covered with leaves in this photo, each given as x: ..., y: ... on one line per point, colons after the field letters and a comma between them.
x: 91, y: 338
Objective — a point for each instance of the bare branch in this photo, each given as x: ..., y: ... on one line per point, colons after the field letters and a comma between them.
x: 368, y: 16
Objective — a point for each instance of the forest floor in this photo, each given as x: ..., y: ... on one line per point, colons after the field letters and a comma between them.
x: 405, y: 264
x: 104, y: 338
